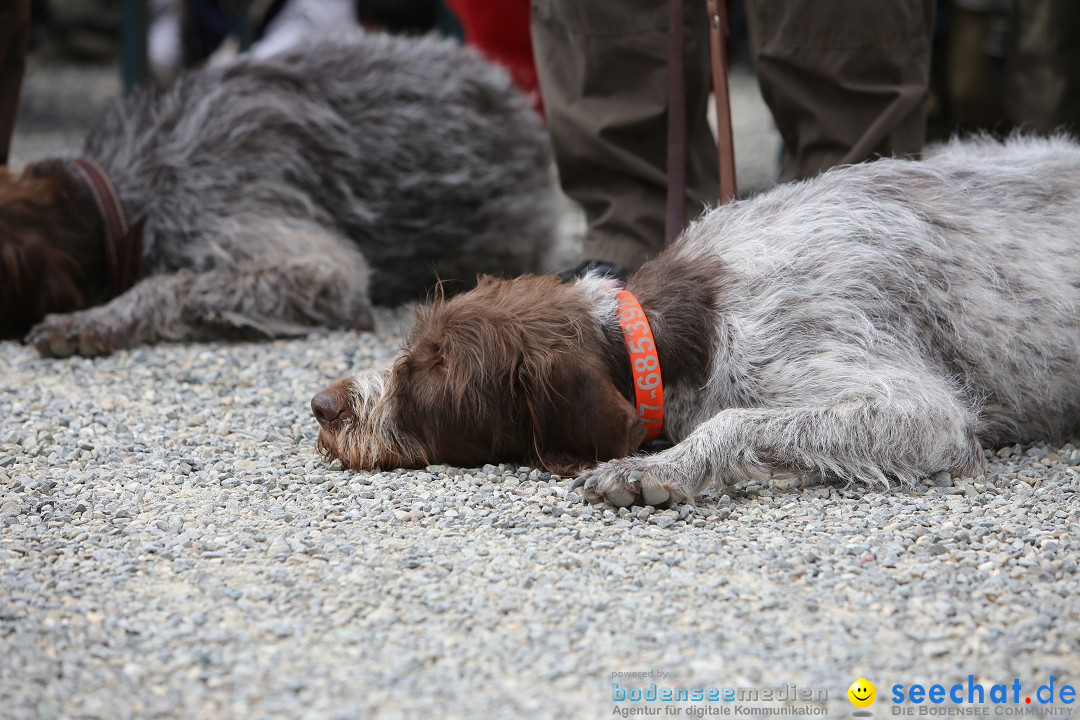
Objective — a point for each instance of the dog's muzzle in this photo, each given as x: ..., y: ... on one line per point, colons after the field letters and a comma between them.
x: 330, y: 406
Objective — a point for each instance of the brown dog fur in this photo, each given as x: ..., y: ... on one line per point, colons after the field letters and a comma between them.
x: 52, y: 253
x: 519, y: 370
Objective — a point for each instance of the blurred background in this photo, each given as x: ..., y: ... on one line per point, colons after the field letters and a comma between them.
x: 84, y: 52
x: 997, y: 64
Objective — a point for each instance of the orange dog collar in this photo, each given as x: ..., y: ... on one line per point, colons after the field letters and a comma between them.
x: 644, y: 364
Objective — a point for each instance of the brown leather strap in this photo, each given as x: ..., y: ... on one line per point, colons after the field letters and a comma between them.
x: 676, y: 129
x: 725, y: 144
x: 676, y: 125
x: 123, y: 249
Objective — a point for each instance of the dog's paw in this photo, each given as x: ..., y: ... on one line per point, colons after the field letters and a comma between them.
x: 633, y: 481
x: 73, y: 334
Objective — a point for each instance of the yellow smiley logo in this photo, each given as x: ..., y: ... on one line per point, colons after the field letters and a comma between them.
x: 862, y: 693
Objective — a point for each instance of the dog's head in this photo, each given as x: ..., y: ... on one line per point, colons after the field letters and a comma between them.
x: 51, y: 256
x: 513, y: 370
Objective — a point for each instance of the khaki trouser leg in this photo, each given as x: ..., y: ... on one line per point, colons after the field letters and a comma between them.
x: 602, y: 68
x: 1044, y: 65
x: 846, y: 80
x: 14, y: 39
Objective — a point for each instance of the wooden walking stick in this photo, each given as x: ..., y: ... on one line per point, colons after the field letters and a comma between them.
x: 725, y: 143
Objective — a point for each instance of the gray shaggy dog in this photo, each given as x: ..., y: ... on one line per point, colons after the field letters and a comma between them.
x: 881, y: 322
x: 280, y: 194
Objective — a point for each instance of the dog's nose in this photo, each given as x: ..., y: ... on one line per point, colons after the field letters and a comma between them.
x: 328, y: 406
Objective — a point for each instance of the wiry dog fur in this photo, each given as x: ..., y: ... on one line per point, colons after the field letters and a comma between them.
x: 272, y: 188
x: 881, y: 322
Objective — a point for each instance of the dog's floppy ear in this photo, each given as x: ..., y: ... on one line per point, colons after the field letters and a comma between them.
x: 576, y: 416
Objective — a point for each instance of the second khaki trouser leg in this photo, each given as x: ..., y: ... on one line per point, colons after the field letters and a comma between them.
x: 846, y: 80
x: 602, y: 66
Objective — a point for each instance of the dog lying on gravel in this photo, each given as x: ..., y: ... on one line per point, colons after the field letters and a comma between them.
x: 881, y: 322
x: 256, y: 198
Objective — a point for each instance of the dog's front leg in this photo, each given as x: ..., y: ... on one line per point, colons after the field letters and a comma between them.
x: 871, y: 440
x: 287, y: 299
x: 265, y: 276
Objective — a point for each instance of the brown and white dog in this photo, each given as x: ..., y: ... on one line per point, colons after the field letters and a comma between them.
x: 880, y: 322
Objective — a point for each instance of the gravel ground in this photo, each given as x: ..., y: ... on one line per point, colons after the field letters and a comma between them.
x: 171, y: 546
